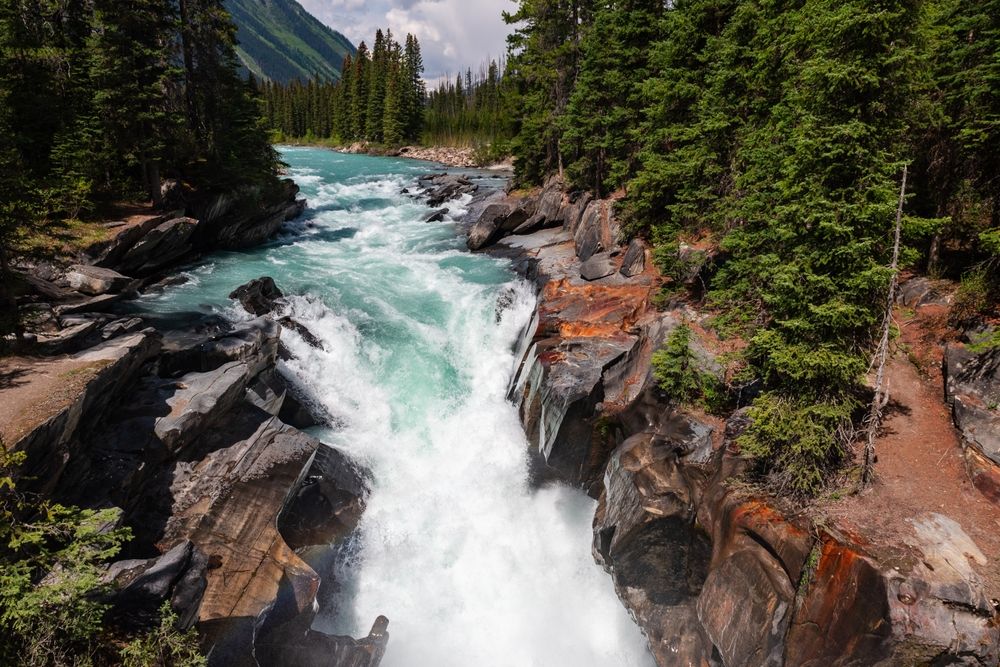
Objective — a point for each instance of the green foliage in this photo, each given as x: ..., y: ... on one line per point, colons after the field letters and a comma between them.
x: 379, y: 98
x: 678, y: 373
x: 280, y: 41
x: 50, y: 578
x: 796, y: 441
x: 474, y: 113
x: 975, y: 296
x: 165, y: 646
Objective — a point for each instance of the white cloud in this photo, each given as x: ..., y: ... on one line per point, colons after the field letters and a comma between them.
x: 453, y: 34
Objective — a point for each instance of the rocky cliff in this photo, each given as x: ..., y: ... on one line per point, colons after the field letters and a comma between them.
x: 714, y: 571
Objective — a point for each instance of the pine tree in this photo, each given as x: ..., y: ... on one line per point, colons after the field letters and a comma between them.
x: 379, y: 70
x: 359, y: 93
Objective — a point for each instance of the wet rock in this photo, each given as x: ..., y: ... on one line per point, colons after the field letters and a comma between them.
x: 445, y: 187
x: 267, y: 391
x: 295, y: 413
x: 634, y: 262
x: 311, y: 339
x: 598, y: 266
x: 327, y: 504
x: 259, y: 296
x: 436, y: 216
x: 95, y: 280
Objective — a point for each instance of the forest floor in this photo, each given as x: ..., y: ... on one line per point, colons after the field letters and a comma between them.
x: 920, y: 469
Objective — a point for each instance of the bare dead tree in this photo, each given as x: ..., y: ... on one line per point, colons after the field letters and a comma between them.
x: 881, y: 397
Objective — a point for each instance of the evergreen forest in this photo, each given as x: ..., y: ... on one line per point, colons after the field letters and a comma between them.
x: 101, y: 101
x: 773, y: 136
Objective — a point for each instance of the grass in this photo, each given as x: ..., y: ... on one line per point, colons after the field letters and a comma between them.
x: 55, y: 238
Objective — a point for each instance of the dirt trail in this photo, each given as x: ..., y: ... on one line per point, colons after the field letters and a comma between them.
x: 920, y: 471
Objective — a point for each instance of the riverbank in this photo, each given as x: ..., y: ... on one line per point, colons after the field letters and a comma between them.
x: 449, y: 156
x: 742, y: 576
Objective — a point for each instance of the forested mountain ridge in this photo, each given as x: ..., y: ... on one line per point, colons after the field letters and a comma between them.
x: 280, y: 41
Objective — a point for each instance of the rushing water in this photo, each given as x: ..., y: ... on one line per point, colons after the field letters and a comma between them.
x: 471, y: 565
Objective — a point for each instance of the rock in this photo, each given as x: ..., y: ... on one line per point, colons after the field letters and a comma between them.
x: 597, y: 231
x: 445, y: 187
x: 51, y: 444
x: 328, y: 504
x: 316, y: 648
x: 258, y: 296
x: 98, y: 304
x: 598, y: 266
x: 95, y: 280
x: 179, y: 575
x: 294, y: 413
x: 38, y: 318
x: 488, y: 229
x: 436, y: 216
x: 267, y: 391
x: 161, y: 246
x: 972, y: 386
x: 634, y: 261
x: 255, y: 342
x: 169, y: 281
x: 172, y: 195
x: 77, y: 333
x: 245, y: 217
x: 547, y: 209
x: 572, y: 210
x: 923, y: 291
x: 123, y: 326
x: 302, y: 330
x: 109, y: 253
x: 227, y: 501
x: 200, y: 401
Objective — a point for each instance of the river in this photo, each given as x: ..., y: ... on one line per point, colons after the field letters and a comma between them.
x: 471, y: 564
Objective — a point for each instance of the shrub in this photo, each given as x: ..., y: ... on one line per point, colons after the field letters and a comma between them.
x: 675, y: 367
x: 165, y: 646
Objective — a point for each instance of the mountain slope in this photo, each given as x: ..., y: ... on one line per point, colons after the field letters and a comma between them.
x: 281, y: 41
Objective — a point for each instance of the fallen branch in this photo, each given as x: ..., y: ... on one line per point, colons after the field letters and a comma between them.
x: 881, y: 397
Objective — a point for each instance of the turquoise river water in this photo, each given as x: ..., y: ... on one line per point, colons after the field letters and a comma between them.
x: 472, y: 566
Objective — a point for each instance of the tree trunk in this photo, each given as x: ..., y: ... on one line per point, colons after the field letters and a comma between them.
x: 151, y: 171
x: 881, y: 397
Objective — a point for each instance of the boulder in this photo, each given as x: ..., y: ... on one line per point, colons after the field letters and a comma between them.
x: 245, y: 217
x: 77, y: 332
x: 488, y: 229
x: 122, y: 326
x: 445, y: 187
x: 972, y: 387
x: 161, y: 246
x: 572, y: 210
x: 109, y: 253
x: 259, y: 296
x: 213, y: 344
x: 597, y: 231
x: 116, y: 367
x: 267, y: 391
x: 95, y: 280
x: 436, y: 216
x: 179, y: 575
x: 547, y: 209
x: 200, y: 401
x: 598, y: 266
x: 634, y: 262
x: 327, y: 504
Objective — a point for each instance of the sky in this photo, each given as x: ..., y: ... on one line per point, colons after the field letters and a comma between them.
x: 453, y: 34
